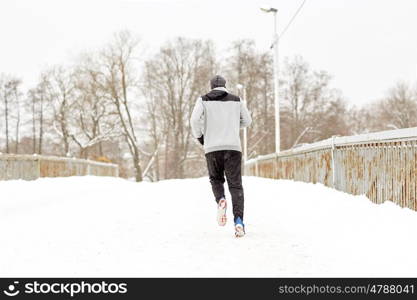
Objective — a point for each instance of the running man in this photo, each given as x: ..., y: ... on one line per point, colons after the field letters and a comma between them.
x: 216, y: 121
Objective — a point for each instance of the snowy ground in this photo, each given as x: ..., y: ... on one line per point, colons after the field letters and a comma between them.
x: 90, y: 226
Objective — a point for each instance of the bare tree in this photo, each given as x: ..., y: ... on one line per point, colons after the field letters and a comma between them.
x: 60, y: 89
x: 94, y: 119
x: 5, y: 94
x: 10, y: 93
x: 119, y: 84
x: 311, y: 109
x: 359, y: 120
x: 253, y: 70
x: 38, y: 96
x: 153, y: 121
x: 93, y: 107
x: 174, y: 79
x: 398, y: 109
x: 32, y: 99
x: 15, y: 86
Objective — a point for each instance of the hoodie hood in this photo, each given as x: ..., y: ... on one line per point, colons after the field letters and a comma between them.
x: 217, y: 93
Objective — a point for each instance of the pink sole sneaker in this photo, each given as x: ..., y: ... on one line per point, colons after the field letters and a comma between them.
x: 221, y: 212
x: 239, y: 231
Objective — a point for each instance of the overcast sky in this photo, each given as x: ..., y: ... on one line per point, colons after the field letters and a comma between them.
x: 367, y: 45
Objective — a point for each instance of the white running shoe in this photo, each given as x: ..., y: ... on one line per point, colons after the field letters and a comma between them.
x: 239, y: 228
x: 221, y: 212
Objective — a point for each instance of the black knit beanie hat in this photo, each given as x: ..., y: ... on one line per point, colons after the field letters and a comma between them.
x: 217, y: 81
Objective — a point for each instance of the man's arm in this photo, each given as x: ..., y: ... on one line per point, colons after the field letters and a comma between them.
x: 196, y: 120
x: 245, y: 118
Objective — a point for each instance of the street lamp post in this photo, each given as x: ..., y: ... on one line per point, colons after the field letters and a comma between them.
x: 241, y: 87
x: 276, y: 77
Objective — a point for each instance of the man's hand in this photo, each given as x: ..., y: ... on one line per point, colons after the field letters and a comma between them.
x: 201, y: 139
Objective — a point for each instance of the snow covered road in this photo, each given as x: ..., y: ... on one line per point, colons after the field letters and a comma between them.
x: 96, y: 226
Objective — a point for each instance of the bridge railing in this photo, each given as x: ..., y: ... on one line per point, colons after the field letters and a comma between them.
x: 380, y: 165
x: 31, y: 167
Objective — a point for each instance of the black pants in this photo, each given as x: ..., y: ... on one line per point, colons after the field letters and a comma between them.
x: 227, y: 162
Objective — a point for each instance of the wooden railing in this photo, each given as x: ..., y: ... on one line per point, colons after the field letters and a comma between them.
x: 380, y: 165
x: 30, y: 167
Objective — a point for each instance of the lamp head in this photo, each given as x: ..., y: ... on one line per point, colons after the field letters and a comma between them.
x: 269, y: 9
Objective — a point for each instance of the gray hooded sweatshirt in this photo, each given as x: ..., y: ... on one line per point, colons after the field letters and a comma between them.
x: 218, y: 116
